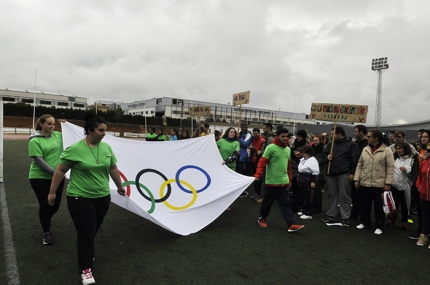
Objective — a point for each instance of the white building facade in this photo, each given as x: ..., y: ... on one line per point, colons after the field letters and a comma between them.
x: 179, y: 108
x: 46, y: 99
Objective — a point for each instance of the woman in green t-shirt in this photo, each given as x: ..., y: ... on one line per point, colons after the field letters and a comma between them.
x: 160, y: 135
x: 229, y: 148
x: 45, y: 147
x: 151, y: 135
x: 88, y: 193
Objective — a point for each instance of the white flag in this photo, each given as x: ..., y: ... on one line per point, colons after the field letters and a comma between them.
x: 181, y: 186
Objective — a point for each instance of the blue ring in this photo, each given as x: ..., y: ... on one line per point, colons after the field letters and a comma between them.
x: 195, y: 167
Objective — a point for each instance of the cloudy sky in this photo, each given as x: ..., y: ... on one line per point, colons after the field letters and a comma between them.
x: 288, y: 53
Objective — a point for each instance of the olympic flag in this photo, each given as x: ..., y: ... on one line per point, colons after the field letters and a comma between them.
x: 181, y: 186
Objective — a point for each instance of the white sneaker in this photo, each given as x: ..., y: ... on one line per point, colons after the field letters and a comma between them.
x: 87, y: 277
x: 361, y: 226
x: 304, y: 217
x: 378, y: 232
x: 299, y: 213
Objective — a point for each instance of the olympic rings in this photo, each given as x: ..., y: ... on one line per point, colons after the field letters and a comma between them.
x: 167, y: 182
x: 169, y: 188
x: 193, y: 190
x: 195, y: 167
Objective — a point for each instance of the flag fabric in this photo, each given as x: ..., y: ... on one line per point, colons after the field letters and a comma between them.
x: 181, y: 186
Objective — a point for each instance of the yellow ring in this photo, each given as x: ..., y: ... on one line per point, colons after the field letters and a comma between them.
x: 175, y: 208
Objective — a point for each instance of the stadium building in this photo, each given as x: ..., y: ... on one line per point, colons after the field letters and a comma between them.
x: 41, y: 98
x: 225, y: 113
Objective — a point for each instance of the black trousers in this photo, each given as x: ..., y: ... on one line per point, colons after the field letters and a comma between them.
x: 318, y: 196
x: 257, y: 184
x: 297, y: 195
x: 280, y: 195
x: 244, y: 168
x: 46, y: 211
x: 399, y: 200
x: 425, y: 207
x: 415, y: 201
x: 369, y: 194
x: 308, y: 195
x: 87, y: 215
x: 356, y: 202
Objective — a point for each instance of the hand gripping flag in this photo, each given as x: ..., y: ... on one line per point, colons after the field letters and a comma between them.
x: 181, y: 186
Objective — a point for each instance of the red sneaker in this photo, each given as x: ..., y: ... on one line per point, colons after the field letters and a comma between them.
x: 87, y: 277
x: 262, y: 222
x: 294, y: 228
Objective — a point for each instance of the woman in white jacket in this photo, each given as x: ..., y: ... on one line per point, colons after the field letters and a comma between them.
x: 405, y: 173
x: 307, y: 178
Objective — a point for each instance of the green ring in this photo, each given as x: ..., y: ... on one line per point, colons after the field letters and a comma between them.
x: 151, y: 210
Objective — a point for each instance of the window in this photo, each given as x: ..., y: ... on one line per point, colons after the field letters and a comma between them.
x: 79, y: 105
x: 9, y: 99
x: 45, y: 102
x: 25, y: 100
x: 146, y: 112
x: 152, y: 112
x: 65, y: 104
x: 186, y: 113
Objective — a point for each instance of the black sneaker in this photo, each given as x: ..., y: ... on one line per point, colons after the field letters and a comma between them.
x: 345, y: 223
x: 47, y: 239
x: 413, y: 236
x: 244, y: 194
x: 327, y: 219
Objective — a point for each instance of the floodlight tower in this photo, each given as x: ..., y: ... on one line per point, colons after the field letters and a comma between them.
x: 379, y: 65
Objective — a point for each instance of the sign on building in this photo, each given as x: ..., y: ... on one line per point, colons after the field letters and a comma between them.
x: 339, y: 112
x: 200, y: 111
x: 241, y: 98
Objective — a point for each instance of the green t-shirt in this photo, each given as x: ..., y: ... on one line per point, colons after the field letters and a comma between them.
x: 226, y: 150
x: 152, y: 136
x: 276, y: 168
x: 161, y: 138
x: 87, y: 178
x: 48, y: 148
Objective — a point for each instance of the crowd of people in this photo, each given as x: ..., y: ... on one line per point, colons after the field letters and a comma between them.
x: 292, y: 170
x: 354, y: 170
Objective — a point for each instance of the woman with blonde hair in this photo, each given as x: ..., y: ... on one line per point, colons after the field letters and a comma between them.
x: 45, y: 147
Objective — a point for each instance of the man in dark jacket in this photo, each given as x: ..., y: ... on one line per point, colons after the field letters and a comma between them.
x: 243, y: 166
x: 360, y: 132
x: 340, y: 173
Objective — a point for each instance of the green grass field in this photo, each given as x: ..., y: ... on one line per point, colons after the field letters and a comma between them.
x: 231, y: 250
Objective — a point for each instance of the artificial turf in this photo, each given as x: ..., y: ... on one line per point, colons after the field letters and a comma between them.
x: 231, y: 250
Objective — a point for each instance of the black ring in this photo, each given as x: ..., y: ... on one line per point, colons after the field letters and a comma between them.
x: 169, y: 188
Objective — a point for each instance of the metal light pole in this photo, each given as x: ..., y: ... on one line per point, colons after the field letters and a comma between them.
x: 379, y: 65
x: 34, y: 100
